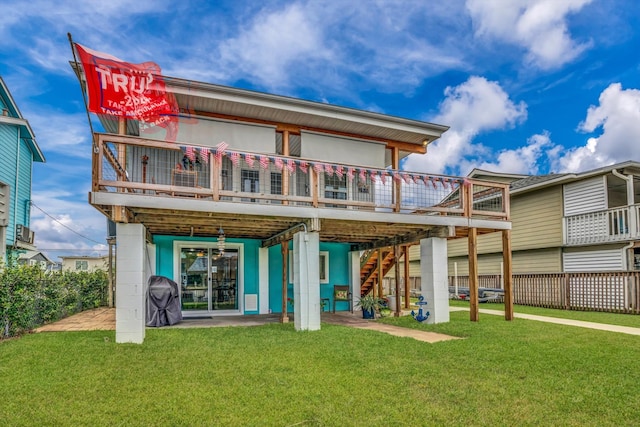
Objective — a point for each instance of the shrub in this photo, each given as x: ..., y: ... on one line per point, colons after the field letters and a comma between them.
x: 30, y: 298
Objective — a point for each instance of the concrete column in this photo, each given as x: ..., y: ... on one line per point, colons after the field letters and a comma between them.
x: 263, y: 280
x: 433, y: 269
x: 131, y: 283
x: 306, y: 281
x: 354, y: 277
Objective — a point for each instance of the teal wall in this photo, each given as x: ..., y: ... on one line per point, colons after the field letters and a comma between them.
x: 20, y: 195
x: 165, y: 261
x: 338, y: 275
x: 338, y: 267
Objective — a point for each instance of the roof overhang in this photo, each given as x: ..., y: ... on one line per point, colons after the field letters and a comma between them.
x: 276, y: 109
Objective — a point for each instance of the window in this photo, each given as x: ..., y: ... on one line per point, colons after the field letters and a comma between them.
x: 323, y: 266
x: 276, y: 183
x: 82, y: 265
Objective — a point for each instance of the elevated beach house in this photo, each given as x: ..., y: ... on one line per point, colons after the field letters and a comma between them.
x: 264, y: 204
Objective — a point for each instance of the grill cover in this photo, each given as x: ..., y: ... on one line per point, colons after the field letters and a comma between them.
x: 163, y: 302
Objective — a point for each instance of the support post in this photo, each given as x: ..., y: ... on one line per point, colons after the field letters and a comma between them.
x: 508, y: 275
x: 396, y: 256
x: 433, y: 271
x: 131, y: 283
x: 473, y: 274
x: 284, y: 318
x: 378, y: 293
x: 407, y: 283
x: 306, y: 281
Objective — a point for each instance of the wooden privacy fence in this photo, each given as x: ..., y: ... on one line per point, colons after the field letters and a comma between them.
x: 616, y: 291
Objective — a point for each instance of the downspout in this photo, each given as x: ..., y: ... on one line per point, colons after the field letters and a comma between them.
x: 632, y: 215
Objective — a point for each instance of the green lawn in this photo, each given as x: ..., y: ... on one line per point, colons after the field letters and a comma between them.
x: 503, y: 373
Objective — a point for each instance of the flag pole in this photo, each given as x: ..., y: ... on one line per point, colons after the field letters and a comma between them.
x: 84, y: 95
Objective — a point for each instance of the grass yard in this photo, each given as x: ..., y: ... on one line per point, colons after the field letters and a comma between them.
x: 502, y: 374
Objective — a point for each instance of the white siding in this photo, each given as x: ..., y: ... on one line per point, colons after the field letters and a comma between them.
x: 209, y: 133
x: 585, y: 196
x: 600, y: 260
x: 342, y: 150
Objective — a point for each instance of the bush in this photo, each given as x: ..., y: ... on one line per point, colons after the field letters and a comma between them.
x: 30, y: 298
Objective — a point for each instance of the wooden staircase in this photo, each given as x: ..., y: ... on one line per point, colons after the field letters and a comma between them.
x: 369, y: 268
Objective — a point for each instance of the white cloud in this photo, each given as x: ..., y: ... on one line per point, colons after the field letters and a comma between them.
x: 266, y: 49
x: 539, y: 26
x: 618, y: 115
x: 475, y: 106
x: 522, y: 160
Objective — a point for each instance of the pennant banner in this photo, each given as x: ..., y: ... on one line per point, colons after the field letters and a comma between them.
x: 132, y: 91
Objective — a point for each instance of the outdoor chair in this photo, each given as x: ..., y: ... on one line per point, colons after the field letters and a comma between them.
x: 342, y: 293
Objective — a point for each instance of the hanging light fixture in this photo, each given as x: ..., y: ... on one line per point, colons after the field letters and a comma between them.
x: 221, y: 240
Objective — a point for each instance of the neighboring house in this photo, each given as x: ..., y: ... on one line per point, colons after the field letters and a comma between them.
x: 18, y: 152
x: 283, y: 211
x: 571, y: 222
x: 85, y: 263
x: 36, y: 258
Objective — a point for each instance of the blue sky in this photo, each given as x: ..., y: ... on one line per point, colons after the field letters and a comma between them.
x: 527, y: 86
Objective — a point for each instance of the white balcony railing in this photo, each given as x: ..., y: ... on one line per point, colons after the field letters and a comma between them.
x: 611, y: 225
x: 139, y: 166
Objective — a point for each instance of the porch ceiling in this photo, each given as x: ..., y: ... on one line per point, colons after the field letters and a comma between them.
x: 361, y: 234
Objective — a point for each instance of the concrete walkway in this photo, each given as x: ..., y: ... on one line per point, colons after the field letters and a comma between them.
x: 105, y: 319
x: 560, y: 321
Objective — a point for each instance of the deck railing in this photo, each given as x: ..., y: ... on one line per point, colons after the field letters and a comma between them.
x: 149, y: 167
x: 616, y: 291
x: 611, y: 225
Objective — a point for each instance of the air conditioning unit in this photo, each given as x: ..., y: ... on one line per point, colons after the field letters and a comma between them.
x: 23, y: 234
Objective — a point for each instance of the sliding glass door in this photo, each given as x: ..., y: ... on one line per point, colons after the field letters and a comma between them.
x: 208, y: 279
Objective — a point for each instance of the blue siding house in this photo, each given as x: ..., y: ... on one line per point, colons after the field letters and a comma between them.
x: 18, y: 152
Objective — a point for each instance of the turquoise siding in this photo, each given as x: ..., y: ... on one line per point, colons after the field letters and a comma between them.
x: 8, y: 175
x: 338, y: 267
x: 165, y: 259
x: 338, y: 274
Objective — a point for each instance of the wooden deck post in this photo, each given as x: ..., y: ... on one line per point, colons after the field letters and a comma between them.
x: 473, y: 274
x: 397, y: 185
x: 378, y: 292
x: 284, y: 318
x: 507, y: 275
x: 285, y: 171
x: 396, y: 257
x: 407, y: 287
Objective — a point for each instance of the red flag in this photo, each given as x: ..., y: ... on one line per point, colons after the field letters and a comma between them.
x: 250, y: 159
x: 405, y: 177
x: 190, y: 153
x: 328, y: 169
x: 304, y: 166
x: 133, y: 91
x: 383, y: 177
x: 264, y: 162
x: 319, y: 168
x: 339, y: 171
x: 235, y: 158
x: 291, y: 165
x: 204, y: 155
x: 363, y: 176
x: 351, y: 172
x: 220, y: 150
x: 279, y: 163
x: 396, y: 177
x: 373, y: 176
